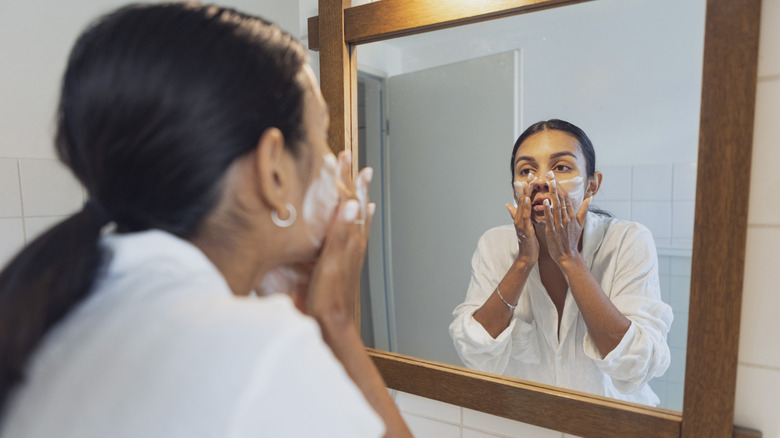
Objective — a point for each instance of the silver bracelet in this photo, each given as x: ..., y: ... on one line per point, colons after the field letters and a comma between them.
x: 511, y: 307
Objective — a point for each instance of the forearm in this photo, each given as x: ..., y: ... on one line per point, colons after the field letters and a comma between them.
x: 341, y: 335
x: 495, y: 316
x: 606, y: 324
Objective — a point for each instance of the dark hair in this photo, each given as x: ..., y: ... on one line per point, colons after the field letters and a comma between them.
x: 157, y: 101
x: 559, y: 125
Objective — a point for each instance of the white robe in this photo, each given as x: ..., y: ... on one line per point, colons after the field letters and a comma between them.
x: 621, y: 256
x: 162, y: 348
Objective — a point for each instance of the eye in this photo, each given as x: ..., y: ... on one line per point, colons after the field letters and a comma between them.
x: 562, y: 168
x: 524, y: 172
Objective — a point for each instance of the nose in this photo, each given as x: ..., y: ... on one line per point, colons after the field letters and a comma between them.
x: 539, y: 184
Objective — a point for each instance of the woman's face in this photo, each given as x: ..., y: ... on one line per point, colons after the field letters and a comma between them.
x: 556, y: 152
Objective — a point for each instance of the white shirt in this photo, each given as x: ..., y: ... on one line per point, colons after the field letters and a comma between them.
x: 621, y: 256
x: 162, y: 348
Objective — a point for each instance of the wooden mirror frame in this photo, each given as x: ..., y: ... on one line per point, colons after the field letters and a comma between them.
x: 725, y: 146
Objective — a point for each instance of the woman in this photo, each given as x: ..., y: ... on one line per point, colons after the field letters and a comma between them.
x: 199, y: 134
x: 564, y: 296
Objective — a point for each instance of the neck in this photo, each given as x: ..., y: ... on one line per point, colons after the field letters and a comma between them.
x: 239, y: 253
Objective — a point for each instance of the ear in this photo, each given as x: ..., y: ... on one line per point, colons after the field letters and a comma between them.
x: 275, y: 171
x: 593, y: 184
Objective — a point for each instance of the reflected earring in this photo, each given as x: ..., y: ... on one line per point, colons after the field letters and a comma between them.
x: 286, y: 222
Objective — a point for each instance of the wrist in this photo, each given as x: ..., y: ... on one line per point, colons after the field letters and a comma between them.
x: 570, y: 263
x: 523, y: 264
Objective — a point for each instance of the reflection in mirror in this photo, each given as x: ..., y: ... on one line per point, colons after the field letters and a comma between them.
x: 440, y: 112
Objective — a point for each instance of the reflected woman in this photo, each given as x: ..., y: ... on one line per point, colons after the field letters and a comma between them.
x: 565, y: 296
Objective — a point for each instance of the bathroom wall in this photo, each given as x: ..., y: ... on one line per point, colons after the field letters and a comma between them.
x: 758, y: 379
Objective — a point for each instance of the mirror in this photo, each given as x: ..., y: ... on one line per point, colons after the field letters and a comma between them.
x: 456, y: 100
x: 725, y: 142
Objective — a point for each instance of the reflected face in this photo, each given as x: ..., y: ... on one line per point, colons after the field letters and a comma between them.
x: 549, y: 151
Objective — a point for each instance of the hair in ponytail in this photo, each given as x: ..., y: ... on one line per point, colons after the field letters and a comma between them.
x: 157, y: 101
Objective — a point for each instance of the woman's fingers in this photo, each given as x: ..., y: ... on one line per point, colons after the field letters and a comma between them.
x: 511, y: 209
x: 583, y: 211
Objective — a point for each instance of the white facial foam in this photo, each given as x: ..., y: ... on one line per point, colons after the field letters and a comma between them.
x: 575, y: 188
x: 321, y: 200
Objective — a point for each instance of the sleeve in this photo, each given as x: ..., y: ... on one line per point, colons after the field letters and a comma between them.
x: 301, y: 389
x: 476, y: 348
x: 643, y: 352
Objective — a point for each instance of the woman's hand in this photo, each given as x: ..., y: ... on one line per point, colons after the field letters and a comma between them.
x: 526, y: 236
x: 563, y: 226
x: 335, y: 278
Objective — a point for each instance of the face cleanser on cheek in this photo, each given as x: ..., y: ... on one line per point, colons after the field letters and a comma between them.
x: 321, y: 200
x: 575, y: 190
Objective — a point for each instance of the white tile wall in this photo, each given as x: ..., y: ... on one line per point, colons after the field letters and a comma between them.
x: 615, y: 184
x: 758, y: 338
x: 34, y: 226
x: 11, y: 238
x: 49, y: 188
x: 504, y: 427
x: 656, y: 216
x: 652, y: 182
x: 684, y: 182
x: 10, y: 194
x: 764, y: 175
x: 425, y: 427
x: 34, y: 195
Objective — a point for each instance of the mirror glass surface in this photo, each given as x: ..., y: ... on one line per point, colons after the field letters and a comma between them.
x: 438, y: 116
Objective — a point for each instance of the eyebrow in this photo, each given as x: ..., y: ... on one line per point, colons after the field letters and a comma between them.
x: 552, y: 157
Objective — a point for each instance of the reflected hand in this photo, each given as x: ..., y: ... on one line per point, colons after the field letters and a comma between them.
x: 563, y: 226
x: 521, y: 215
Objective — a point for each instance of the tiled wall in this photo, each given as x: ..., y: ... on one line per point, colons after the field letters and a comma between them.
x: 34, y: 194
x: 660, y: 196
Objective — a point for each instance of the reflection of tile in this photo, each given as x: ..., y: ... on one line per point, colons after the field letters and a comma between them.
x: 676, y: 371
x: 426, y: 407
x: 678, y: 334
x: 10, y: 198
x: 674, y: 395
x: 424, y: 427
x: 764, y: 177
x: 657, y: 216
x: 49, y: 189
x: 756, y: 399
x: 11, y: 239
x: 680, y: 293
x: 681, y: 265
x: 682, y: 219
x: 491, y: 423
x: 666, y: 288
x: 619, y: 209
x: 664, y: 265
x: 652, y: 182
x: 615, y: 184
x: 658, y: 385
x: 684, y: 182
x: 759, y: 326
